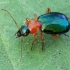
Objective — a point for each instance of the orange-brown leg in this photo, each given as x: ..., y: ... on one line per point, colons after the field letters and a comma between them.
x: 35, y: 38
x: 48, y: 11
x: 42, y: 37
x: 36, y: 17
x: 27, y: 21
x: 55, y: 36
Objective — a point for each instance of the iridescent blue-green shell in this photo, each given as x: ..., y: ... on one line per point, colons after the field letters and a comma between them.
x: 54, y: 23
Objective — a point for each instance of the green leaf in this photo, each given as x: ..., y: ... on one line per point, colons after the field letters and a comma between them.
x: 56, y: 55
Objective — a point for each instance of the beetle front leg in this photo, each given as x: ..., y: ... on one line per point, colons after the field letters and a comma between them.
x: 35, y: 38
x: 42, y: 37
x: 36, y: 17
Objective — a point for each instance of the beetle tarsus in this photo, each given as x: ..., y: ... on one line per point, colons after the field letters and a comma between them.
x: 66, y: 35
x: 42, y: 45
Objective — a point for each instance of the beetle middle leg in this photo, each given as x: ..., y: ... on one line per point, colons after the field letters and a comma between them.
x: 35, y: 38
x: 48, y: 11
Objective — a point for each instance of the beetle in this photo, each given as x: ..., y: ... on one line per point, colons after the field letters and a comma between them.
x: 54, y: 23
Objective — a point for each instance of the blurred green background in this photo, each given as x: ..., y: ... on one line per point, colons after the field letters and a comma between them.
x: 56, y: 55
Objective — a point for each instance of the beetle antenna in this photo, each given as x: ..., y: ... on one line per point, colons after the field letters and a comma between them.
x: 21, y: 48
x: 11, y: 17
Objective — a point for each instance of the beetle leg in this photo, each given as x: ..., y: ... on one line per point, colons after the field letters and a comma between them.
x: 27, y: 21
x: 36, y: 17
x: 35, y: 38
x: 55, y: 36
x: 42, y: 37
x: 66, y: 35
x: 48, y: 11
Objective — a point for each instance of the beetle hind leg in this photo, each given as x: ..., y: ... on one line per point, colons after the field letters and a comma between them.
x: 66, y: 35
x: 55, y: 36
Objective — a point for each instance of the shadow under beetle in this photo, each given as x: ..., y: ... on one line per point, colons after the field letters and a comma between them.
x: 53, y: 23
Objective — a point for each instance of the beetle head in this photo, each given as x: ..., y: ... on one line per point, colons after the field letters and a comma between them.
x: 23, y: 31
